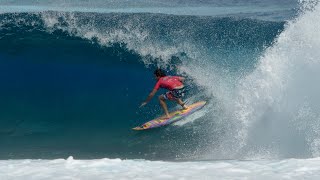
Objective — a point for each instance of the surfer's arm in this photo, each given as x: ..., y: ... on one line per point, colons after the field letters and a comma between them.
x: 153, y: 92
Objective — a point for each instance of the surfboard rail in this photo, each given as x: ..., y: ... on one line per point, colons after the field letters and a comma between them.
x: 174, y: 117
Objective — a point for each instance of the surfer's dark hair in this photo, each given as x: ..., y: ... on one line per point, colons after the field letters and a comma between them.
x: 159, y: 73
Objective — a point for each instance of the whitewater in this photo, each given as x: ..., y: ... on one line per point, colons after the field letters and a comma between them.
x: 258, y: 67
x: 142, y: 169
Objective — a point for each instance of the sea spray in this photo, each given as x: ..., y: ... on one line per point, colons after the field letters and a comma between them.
x: 280, y: 92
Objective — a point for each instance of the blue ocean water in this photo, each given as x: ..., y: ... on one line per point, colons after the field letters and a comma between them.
x: 73, y: 73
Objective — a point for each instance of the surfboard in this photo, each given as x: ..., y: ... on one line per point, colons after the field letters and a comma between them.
x: 174, y: 117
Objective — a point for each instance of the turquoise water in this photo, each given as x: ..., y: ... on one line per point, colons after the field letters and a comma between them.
x: 72, y: 76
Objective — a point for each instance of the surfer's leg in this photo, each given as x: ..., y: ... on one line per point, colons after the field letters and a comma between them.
x: 177, y: 94
x: 180, y: 102
x: 164, y: 105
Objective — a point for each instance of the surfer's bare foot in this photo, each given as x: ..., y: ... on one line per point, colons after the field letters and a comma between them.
x: 166, y: 116
x: 184, y: 107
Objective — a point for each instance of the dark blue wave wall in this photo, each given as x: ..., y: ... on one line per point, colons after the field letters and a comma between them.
x: 62, y: 95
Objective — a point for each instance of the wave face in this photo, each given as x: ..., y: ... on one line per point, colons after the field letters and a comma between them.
x: 71, y: 84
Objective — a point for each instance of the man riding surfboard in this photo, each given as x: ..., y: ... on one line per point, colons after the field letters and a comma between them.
x: 175, y: 92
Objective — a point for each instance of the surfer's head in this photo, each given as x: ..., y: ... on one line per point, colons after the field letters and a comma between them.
x: 159, y: 73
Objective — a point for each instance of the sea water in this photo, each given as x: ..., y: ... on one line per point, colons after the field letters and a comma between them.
x: 73, y: 74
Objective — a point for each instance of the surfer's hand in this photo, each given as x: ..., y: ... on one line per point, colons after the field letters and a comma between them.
x: 142, y: 104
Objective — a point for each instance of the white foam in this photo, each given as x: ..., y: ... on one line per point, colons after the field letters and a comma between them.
x: 193, y: 117
x: 285, y: 79
x: 143, y: 169
x: 273, y: 110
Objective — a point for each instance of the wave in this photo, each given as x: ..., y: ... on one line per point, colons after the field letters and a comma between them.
x: 81, y: 77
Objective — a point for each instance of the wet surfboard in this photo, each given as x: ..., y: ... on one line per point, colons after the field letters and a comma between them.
x: 174, y: 117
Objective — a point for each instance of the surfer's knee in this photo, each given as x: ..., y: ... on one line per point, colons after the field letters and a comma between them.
x: 161, y: 98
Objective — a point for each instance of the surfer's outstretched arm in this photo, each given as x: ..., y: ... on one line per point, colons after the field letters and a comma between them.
x: 153, y: 92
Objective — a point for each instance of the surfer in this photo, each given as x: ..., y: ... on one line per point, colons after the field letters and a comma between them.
x: 175, y: 86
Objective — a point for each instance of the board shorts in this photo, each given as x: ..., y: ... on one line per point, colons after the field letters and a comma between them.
x: 174, y: 94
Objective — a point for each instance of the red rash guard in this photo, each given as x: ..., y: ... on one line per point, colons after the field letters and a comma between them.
x: 168, y: 82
